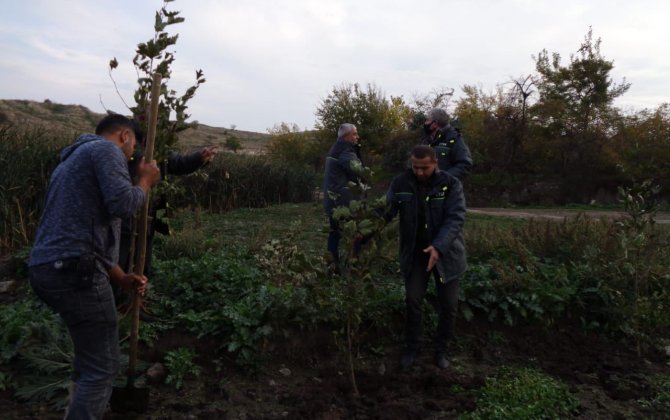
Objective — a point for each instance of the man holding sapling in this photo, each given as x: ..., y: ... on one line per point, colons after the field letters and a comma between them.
x: 75, y: 254
x: 343, y: 165
x: 431, y: 208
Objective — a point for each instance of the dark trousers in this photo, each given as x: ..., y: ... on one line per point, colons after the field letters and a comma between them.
x: 90, y: 317
x: 447, y: 300
x: 334, y: 236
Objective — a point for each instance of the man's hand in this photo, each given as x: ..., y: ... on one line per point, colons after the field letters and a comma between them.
x: 434, y: 257
x: 208, y: 153
x: 134, y: 281
x: 128, y: 281
x: 149, y: 175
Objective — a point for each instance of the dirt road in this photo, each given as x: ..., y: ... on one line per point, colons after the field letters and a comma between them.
x: 554, y: 214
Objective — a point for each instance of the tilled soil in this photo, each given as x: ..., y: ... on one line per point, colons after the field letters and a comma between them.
x: 304, y: 377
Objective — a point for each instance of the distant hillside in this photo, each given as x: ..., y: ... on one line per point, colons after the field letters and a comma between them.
x: 79, y: 119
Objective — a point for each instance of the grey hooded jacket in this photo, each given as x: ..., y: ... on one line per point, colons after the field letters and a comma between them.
x: 89, y: 192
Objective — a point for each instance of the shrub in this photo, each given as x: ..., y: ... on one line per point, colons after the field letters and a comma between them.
x: 35, y: 352
x: 27, y: 158
x: 180, y: 364
x: 221, y: 295
x: 523, y: 394
x: 234, y: 181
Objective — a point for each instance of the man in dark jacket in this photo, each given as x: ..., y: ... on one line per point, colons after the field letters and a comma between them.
x: 343, y: 165
x: 453, y: 155
x: 431, y: 207
x: 75, y: 253
x: 175, y: 164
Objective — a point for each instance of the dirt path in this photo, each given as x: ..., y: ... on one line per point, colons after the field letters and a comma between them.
x: 551, y: 214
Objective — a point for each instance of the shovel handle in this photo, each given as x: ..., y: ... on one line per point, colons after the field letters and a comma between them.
x: 142, y: 225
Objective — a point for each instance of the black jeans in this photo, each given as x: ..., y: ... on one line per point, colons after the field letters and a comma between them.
x: 90, y: 316
x: 447, y: 302
x: 334, y: 236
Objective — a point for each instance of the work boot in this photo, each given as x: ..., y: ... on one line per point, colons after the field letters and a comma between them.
x: 407, y: 359
x: 441, y: 360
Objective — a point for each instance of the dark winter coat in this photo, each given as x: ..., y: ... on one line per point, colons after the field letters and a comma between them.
x: 342, y: 162
x: 444, y: 209
x: 453, y: 155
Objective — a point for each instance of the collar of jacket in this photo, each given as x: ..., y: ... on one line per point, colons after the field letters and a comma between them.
x: 436, y: 179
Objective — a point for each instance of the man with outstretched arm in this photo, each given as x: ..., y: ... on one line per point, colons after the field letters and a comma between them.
x: 431, y: 208
x: 75, y: 254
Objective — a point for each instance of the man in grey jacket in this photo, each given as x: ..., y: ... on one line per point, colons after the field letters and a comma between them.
x: 453, y: 155
x: 75, y: 252
x: 431, y: 207
x: 343, y: 165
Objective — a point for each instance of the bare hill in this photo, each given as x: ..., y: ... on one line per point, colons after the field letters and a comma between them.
x: 79, y: 119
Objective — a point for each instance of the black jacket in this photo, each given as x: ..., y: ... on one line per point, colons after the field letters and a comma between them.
x: 342, y: 163
x: 444, y: 209
x: 175, y: 164
x: 453, y: 155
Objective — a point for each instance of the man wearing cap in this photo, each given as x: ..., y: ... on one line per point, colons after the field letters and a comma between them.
x: 431, y: 209
x: 75, y: 252
x: 453, y: 155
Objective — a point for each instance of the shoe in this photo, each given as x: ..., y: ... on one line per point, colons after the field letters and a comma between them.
x: 441, y: 360
x: 407, y: 359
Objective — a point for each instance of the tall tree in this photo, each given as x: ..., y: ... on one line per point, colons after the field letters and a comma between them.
x: 375, y: 116
x: 574, y: 108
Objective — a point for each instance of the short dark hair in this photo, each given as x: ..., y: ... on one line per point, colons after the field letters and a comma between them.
x: 422, y: 151
x: 114, y: 122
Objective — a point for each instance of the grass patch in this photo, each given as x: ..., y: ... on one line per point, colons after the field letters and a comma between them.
x: 523, y: 393
x: 252, y: 227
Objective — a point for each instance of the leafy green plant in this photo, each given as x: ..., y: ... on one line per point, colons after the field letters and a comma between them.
x: 523, y: 393
x: 180, y: 364
x: 221, y: 295
x: 660, y: 401
x: 35, y: 352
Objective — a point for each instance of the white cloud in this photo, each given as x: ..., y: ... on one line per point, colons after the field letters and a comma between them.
x: 268, y: 61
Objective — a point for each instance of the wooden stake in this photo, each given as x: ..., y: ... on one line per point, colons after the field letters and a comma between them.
x: 141, y: 251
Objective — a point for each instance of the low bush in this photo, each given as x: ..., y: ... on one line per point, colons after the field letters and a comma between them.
x: 35, y: 352
x: 523, y: 393
x: 235, y: 181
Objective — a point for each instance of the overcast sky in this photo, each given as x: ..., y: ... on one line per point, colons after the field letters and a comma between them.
x: 271, y: 61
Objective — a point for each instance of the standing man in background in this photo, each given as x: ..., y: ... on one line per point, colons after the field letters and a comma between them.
x: 453, y: 155
x: 75, y: 254
x: 343, y: 164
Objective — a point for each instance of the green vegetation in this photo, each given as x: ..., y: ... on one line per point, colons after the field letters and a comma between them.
x: 180, y: 364
x: 155, y: 56
x: 35, y: 352
x: 523, y: 393
x: 27, y: 157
